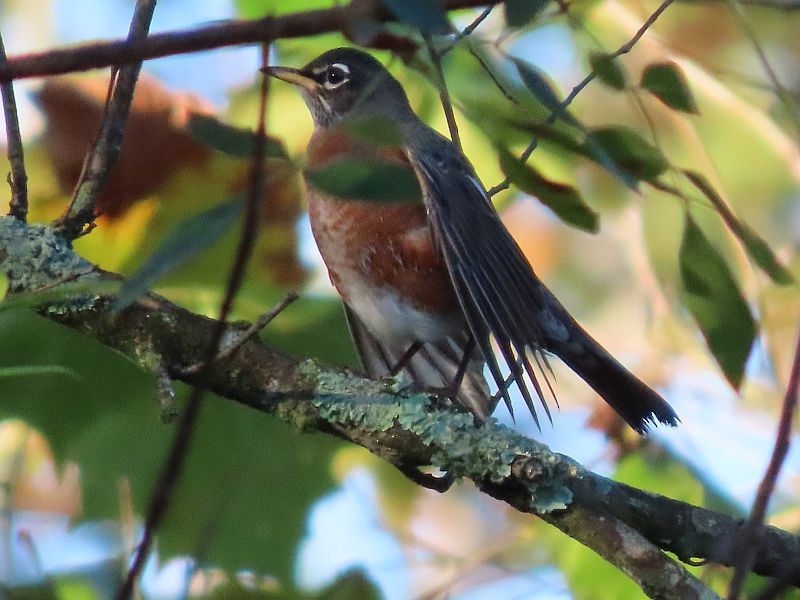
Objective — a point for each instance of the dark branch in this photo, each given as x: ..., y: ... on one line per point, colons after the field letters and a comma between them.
x: 218, y: 35
x: 444, y: 95
x: 167, y: 483
x: 18, y: 179
x: 750, y: 538
x: 106, y: 149
x: 403, y: 429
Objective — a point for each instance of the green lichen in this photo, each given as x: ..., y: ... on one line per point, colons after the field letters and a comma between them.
x: 33, y: 258
x: 482, y: 453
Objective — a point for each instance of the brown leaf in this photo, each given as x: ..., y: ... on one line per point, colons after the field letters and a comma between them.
x: 156, y: 142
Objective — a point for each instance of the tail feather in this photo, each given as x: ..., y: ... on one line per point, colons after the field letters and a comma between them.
x: 629, y: 396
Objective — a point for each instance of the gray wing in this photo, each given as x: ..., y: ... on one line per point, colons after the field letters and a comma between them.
x: 432, y: 366
x: 502, y: 298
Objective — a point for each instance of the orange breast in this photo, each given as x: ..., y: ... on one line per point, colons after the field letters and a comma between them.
x: 382, y: 245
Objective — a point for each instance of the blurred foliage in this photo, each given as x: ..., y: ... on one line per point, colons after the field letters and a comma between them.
x: 689, y: 180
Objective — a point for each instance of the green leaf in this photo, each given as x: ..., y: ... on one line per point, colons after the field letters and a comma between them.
x: 377, y: 130
x: 667, y: 83
x: 562, y: 199
x: 73, y: 588
x: 608, y: 70
x: 426, y: 15
x: 254, y: 9
x: 371, y: 180
x: 756, y: 246
x: 714, y: 299
x: 629, y: 153
x: 34, y: 370
x: 230, y: 140
x: 183, y: 243
x: 543, y: 90
x: 521, y: 12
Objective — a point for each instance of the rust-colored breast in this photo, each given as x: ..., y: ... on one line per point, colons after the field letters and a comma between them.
x: 382, y: 245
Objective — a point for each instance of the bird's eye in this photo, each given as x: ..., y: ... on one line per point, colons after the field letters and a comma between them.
x: 336, y: 75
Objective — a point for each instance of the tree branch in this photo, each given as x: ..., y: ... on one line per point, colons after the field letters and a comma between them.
x: 104, y: 154
x: 18, y: 179
x: 167, y: 483
x: 217, y: 35
x: 615, y: 520
x: 749, y: 539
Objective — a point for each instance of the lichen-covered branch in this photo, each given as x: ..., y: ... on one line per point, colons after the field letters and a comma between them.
x: 623, y: 524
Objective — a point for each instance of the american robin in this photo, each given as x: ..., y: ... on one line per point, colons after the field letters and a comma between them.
x: 426, y: 285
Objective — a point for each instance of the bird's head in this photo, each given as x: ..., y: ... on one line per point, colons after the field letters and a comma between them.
x: 346, y: 83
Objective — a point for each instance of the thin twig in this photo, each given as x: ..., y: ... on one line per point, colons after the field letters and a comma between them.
x: 248, y: 333
x: 495, y: 79
x: 104, y: 154
x: 167, y: 482
x: 68, y: 278
x: 468, y: 29
x: 783, y: 94
x: 17, y: 179
x: 749, y: 538
x: 444, y: 95
x: 560, y: 110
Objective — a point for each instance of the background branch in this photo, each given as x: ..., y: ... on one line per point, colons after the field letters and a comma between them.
x: 403, y: 429
x: 750, y: 539
x: 18, y: 179
x: 105, y: 152
x: 167, y: 483
x: 217, y: 35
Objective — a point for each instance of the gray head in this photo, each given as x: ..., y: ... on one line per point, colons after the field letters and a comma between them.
x: 344, y: 83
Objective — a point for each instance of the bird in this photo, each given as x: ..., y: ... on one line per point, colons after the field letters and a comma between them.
x: 427, y: 285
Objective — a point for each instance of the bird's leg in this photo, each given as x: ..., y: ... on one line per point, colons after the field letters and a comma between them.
x: 404, y: 360
x: 515, y: 371
x: 455, y: 385
x: 450, y: 391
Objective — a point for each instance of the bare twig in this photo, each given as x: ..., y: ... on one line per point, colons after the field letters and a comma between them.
x: 783, y: 94
x: 105, y: 152
x: 17, y: 179
x: 468, y: 29
x: 67, y: 279
x: 444, y: 95
x: 561, y: 108
x: 750, y: 538
x: 248, y: 333
x: 487, y: 68
x: 167, y: 482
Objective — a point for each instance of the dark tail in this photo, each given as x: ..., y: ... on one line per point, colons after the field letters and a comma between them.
x: 635, y: 401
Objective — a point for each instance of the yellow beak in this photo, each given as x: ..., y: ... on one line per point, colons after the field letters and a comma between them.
x: 293, y: 76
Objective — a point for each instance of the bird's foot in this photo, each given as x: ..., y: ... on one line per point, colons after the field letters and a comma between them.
x: 439, y: 484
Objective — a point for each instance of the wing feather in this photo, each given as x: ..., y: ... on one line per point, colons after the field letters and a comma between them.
x: 502, y: 298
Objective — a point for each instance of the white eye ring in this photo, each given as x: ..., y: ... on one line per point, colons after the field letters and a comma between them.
x: 335, y: 76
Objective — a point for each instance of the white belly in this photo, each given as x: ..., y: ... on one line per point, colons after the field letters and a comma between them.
x: 389, y: 318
